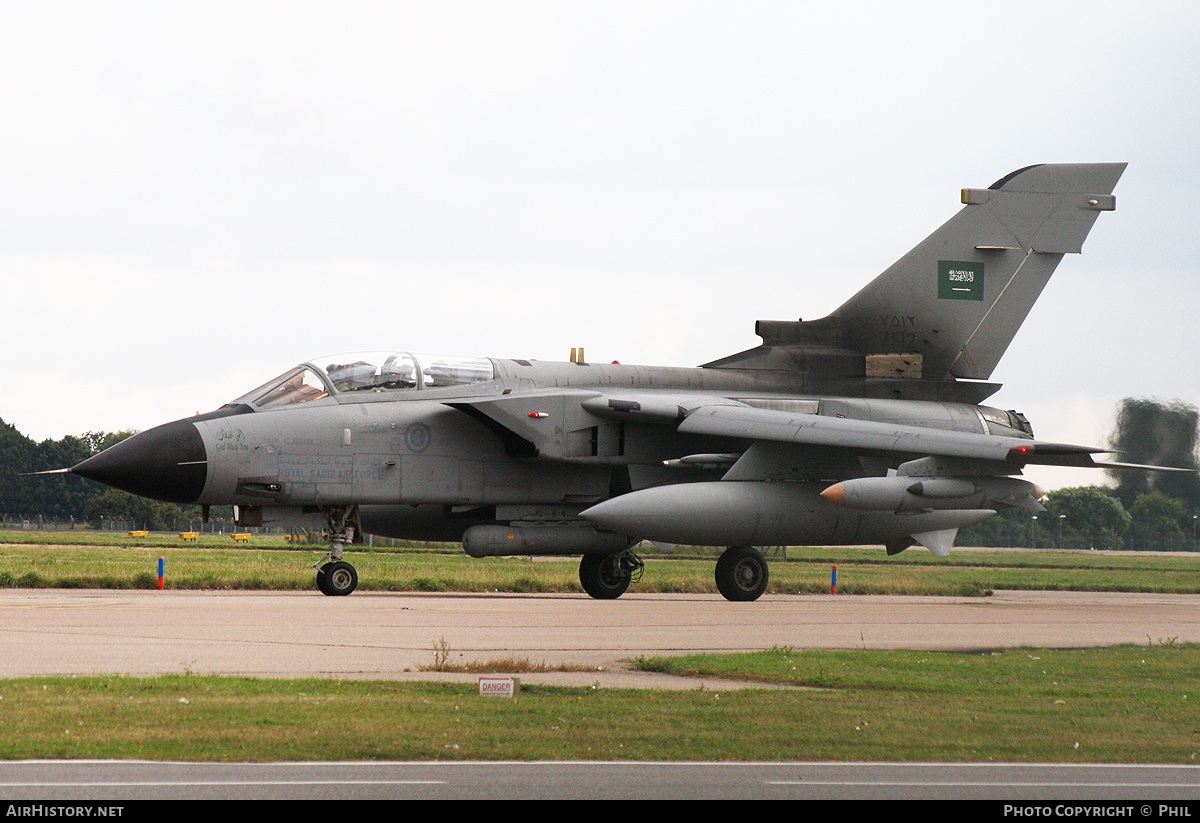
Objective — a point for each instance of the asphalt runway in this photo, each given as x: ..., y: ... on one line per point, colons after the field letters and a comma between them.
x: 1108, y: 790
x: 389, y: 635
x: 392, y: 635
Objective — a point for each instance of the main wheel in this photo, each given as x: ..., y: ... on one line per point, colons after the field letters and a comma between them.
x: 337, y: 579
x: 742, y: 573
x: 603, y: 576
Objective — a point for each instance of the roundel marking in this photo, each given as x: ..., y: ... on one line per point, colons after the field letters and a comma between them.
x: 417, y: 438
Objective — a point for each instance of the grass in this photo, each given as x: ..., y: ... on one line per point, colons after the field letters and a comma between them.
x: 1123, y: 704
x: 84, y: 559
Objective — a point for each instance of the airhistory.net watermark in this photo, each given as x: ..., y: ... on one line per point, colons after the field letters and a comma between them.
x: 48, y: 810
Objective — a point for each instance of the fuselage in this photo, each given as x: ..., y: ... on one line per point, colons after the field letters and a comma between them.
x: 434, y: 447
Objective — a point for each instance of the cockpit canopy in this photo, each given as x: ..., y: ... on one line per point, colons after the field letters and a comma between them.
x: 369, y: 372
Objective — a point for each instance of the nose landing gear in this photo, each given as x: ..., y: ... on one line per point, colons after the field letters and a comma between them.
x: 338, y: 578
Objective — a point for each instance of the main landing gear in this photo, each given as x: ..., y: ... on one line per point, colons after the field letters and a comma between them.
x: 337, y: 578
x: 741, y: 574
x: 607, y: 576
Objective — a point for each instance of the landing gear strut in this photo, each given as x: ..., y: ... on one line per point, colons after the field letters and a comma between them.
x: 742, y: 573
x: 607, y: 576
x: 338, y: 578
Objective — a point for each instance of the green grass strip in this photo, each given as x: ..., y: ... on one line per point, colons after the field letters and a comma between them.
x: 1125, y: 704
x: 93, y: 560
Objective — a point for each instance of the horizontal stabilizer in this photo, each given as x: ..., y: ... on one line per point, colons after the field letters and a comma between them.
x: 1142, y: 467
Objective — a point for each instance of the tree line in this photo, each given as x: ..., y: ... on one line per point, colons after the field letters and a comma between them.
x: 1139, y: 510
x: 64, y: 498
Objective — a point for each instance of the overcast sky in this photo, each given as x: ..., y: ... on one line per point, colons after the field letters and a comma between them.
x: 196, y: 196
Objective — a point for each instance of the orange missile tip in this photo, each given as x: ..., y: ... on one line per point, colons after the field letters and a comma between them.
x: 835, y: 494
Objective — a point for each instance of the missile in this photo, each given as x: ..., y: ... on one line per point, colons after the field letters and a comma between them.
x: 914, y: 494
x: 704, y: 461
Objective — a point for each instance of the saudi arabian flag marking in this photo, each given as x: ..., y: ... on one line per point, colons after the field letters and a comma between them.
x: 960, y: 281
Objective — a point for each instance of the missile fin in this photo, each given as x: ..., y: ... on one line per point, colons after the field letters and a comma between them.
x: 938, y: 542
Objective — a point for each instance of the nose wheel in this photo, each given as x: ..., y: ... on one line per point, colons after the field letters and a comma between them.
x: 337, y: 579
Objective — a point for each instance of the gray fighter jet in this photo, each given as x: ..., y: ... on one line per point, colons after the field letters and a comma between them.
x: 863, y: 427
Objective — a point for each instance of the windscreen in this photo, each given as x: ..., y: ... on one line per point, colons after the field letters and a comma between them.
x: 369, y: 372
x: 396, y: 371
x: 297, y: 387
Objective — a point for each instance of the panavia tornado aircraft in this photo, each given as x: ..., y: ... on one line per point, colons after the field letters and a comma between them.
x: 862, y: 427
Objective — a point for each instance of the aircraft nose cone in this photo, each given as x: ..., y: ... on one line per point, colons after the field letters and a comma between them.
x: 167, y: 463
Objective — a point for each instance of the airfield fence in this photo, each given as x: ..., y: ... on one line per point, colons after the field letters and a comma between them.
x: 214, y: 526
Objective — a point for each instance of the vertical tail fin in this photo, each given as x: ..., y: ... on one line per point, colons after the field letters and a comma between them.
x: 958, y: 298
x: 951, y: 306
